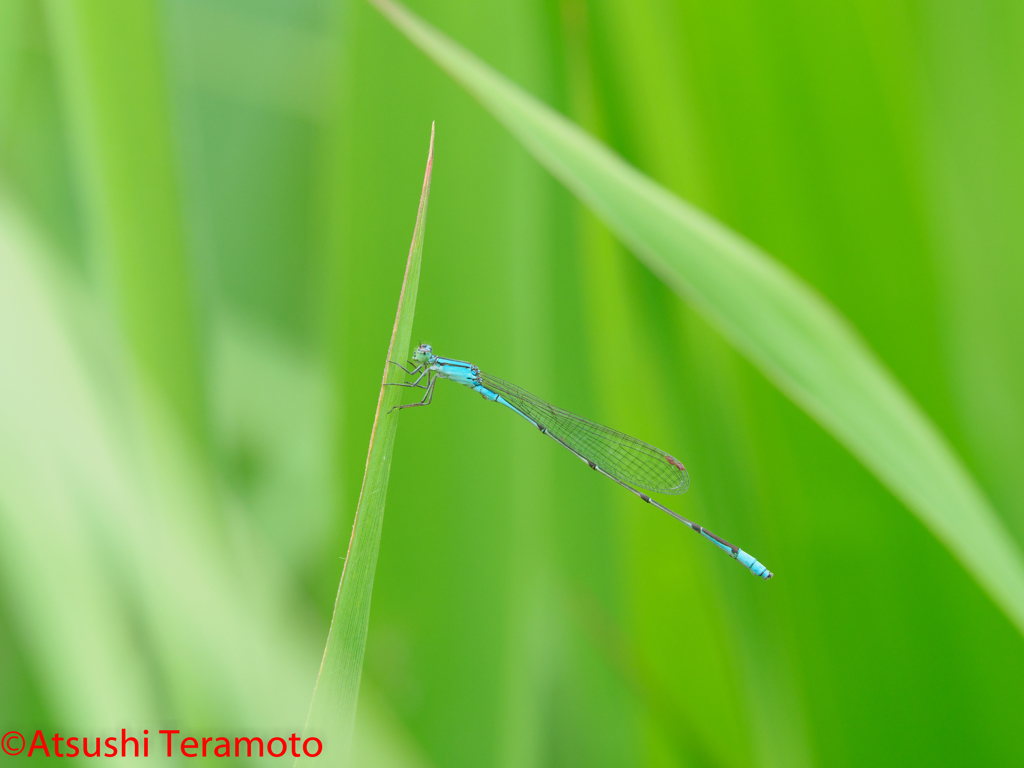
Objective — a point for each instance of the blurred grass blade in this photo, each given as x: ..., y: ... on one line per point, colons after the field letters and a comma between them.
x: 332, y: 711
x: 790, y: 332
x: 129, y: 604
x: 110, y: 58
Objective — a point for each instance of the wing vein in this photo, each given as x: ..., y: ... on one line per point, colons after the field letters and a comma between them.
x: 620, y: 455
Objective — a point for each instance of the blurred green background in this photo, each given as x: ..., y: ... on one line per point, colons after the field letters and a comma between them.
x: 205, y: 208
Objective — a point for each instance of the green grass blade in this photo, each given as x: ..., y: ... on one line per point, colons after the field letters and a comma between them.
x: 332, y: 711
x: 112, y: 69
x: 129, y: 603
x: 789, y: 331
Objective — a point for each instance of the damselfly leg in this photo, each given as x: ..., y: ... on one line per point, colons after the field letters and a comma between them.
x: 427, y: 397
x: 429, y: 386
x: 413, y: 372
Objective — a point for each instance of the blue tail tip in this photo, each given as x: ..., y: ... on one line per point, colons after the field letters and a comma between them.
x: 755, y: 567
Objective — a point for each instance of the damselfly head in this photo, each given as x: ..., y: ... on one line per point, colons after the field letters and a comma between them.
x: 423, y: 353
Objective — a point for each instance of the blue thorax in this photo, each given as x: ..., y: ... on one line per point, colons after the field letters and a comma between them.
x: 459, y: 371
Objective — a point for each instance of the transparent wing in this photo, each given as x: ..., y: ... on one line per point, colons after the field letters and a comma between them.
x: 627, y: 459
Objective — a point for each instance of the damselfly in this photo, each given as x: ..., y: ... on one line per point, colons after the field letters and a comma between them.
x: 631, y: 463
